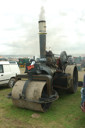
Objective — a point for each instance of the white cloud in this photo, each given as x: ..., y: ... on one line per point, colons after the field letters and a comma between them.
x: 19, y: 26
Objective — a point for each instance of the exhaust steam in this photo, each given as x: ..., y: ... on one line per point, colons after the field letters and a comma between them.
x: 42, y: 14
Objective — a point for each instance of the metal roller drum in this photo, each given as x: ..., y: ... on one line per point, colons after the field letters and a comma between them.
x: 34, y: 92
x: 73, y: 81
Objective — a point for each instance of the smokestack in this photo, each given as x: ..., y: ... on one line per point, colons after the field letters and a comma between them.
x: 42, y: 34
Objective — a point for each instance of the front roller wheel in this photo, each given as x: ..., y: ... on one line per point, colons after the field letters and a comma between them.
x: 34, y: 96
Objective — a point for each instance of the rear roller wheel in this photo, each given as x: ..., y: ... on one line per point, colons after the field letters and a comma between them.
x: 74, y: 82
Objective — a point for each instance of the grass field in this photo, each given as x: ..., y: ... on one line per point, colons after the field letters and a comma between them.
x: 63, y: 113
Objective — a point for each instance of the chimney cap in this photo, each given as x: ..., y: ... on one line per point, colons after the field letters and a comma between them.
x: 41, y: 21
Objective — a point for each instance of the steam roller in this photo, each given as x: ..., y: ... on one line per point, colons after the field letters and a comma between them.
x: 38, y: 87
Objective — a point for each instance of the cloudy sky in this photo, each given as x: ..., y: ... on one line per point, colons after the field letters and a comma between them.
x: 65, y: 21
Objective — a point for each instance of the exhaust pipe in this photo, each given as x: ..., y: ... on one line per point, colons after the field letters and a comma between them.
x: 42, y: 38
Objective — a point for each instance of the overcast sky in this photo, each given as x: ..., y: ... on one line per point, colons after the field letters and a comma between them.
x: 65, y: 21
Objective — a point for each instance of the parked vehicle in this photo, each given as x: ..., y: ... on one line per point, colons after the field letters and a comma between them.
x: 8, y: 72
x: 22, y: 62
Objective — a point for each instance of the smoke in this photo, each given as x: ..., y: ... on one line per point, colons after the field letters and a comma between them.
x: 42, y: 14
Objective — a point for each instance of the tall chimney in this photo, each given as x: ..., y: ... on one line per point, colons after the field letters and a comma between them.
x: 42, y: 38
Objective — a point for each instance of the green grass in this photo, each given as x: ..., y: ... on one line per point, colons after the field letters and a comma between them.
x: 63, y: 113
